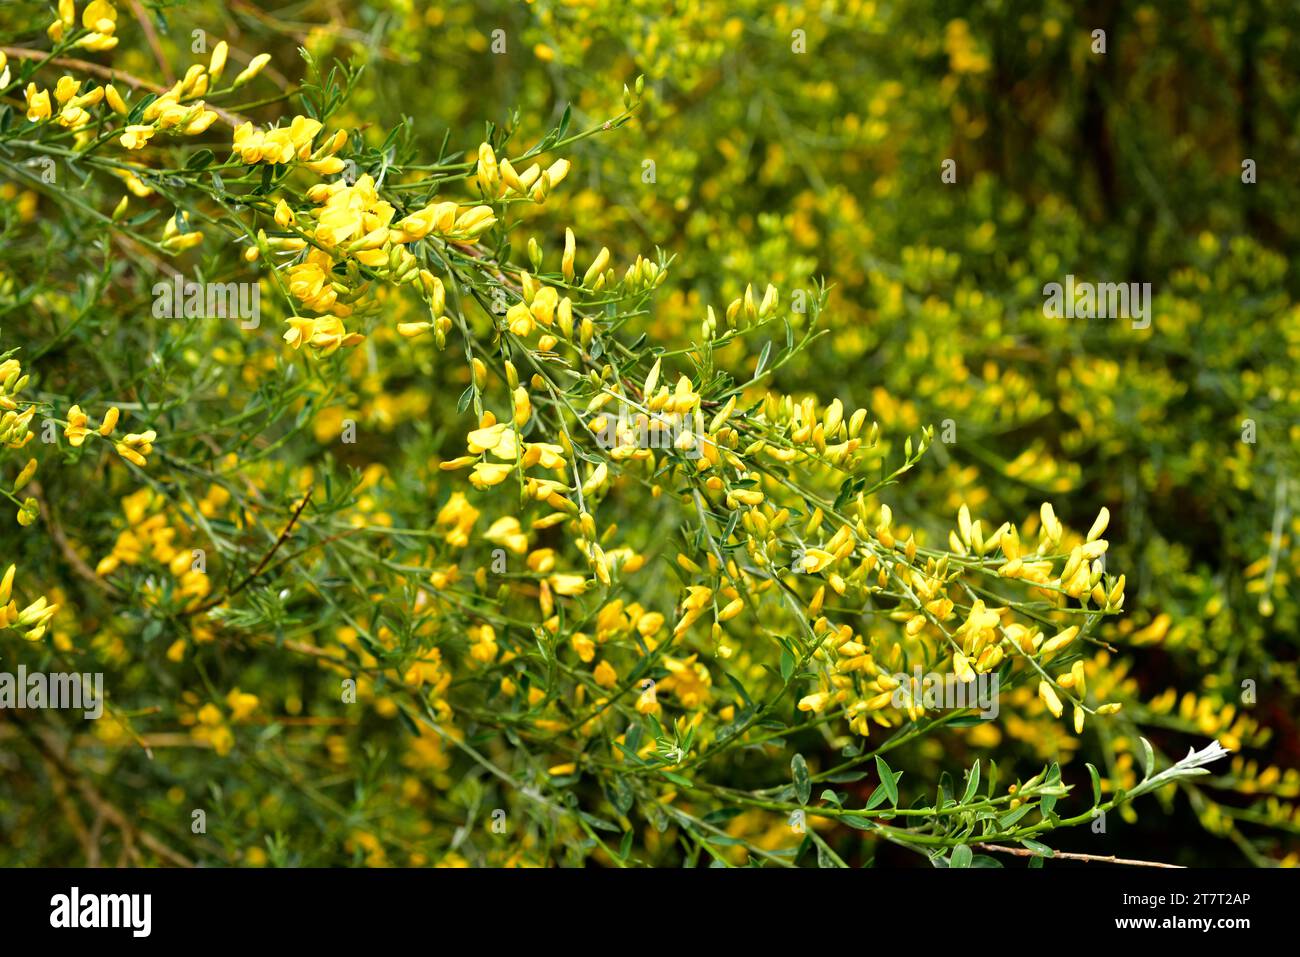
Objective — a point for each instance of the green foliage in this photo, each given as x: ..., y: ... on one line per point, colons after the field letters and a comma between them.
x: 345, y: 616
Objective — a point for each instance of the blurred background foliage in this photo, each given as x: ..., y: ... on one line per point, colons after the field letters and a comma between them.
x: 790, y: 143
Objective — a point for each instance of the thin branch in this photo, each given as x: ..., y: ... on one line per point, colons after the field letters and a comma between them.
x: 151, y: 35
x: 1065, y: 855
x: 248, y: 580
x: 111, y: 73
x: 75, y: 561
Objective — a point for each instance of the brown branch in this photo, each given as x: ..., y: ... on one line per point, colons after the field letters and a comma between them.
x: 248, y: 580
x: 151, y: 35
x: 110, y: 73
x: 75, y: 561
x: 102, y: 806
x: 1065, y: 855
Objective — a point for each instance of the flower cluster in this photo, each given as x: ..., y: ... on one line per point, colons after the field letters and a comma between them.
x: 652, y: 550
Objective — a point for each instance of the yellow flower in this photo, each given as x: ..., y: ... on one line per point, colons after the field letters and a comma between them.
x: 110, y: 421
x: 568, y: 585
x: 486, y: 170
x: 311, y: 282
x: 76, y: 430
x: 557, y: 171
x: 566, y: 263
x: 241, y: 704
x: 218, y: 61
x: 961, y: 666
x: 201, y: 122
x: 302, y: 130
x: 1049, y: 698
x: 605, y: 675
x: 100, y: 18
x: 299, y: 331
x: 135, y: 446
x: 25, y: 475
x: 328, y: 335
x: 815, y: 559
x: 543, y: 305
x: 1053, y: 645
x: 438, y: 217
x: 584, y: 647
x: 484, y: 650
x: 38, y: 103
x: 474, y: 223
x: 137, y: 136
x: 65, y: 89
x: 814, y: 702
x: 255, y: 146
x: 523, y: 408
x: 459, y: 516
x: 545, y: 454
x: 506, y: 532
x: 255, y: 66
x: 520, y: 320
x: 498, y: 439
x: 115, y: 100
x: 688, y: 680
x: 597, y: 266
x: 732, y: 609
x: 28, y: 513
x: 486, y: 474
x: 32, y: 620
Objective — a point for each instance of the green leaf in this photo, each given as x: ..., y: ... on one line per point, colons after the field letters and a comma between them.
x: 823, y: 859
x: 1011, y: 817
x: 1037, y: 847
x: 740, y: 689
x: 802, y: 779
x: 961, y: 856
x: 972, y: 784
x: 620, y: 793
x: 1096, y: 785
x: 846, y: 777
x: 825, y: 856
x: 599, y: 823
x: 678, y: 779
x: 877, y: 798
x: 888, y: 779
x: 787, y: 665
x: 200, y: 159
x: 1148, y: 758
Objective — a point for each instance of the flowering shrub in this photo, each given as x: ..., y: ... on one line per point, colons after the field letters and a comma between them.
x: 684, y: 470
